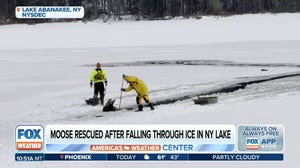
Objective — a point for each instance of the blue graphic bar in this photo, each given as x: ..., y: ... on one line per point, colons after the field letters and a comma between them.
x: 145, y: 157
x: 237, y: 157
x: 75, y: 157
x: 29, y: 157
x: 148, y: 157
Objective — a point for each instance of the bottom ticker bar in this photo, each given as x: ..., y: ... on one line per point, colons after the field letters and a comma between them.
x: 148, y: 157
x: 237, y: 157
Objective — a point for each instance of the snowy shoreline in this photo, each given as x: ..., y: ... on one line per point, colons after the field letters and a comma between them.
x: 45, y: 72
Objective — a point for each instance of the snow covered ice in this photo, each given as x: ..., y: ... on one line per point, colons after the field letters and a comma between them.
x: 44, y: 74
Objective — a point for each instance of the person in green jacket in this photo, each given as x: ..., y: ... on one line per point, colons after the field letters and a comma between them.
x: 98, y: 77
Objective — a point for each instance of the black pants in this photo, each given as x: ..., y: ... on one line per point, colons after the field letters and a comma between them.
x: 139, y: 99
x: 99, y: 88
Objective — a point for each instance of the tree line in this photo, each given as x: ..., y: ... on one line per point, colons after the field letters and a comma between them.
x: 152, y: 9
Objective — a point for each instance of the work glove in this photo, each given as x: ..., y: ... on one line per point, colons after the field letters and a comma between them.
x: 123, y: 75
x: 91, y: 84
x: 122, y: 89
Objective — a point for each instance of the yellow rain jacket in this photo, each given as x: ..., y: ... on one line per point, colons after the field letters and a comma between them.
x: 98, y: 75
x: 137, y: 84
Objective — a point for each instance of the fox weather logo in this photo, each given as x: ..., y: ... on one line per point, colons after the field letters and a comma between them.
x: 29, y: 137
x: 252, y: 144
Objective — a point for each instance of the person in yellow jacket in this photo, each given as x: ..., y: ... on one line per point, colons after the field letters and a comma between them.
x: 98, y: 77
x: 141, y: 89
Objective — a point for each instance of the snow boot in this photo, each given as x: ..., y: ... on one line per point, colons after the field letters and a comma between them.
x: 151, y: 106
x: 140, y: 108
x: 101, y: 100
x: 95, y: 100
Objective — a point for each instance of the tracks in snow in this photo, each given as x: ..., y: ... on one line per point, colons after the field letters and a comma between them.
x: 225, y: 89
